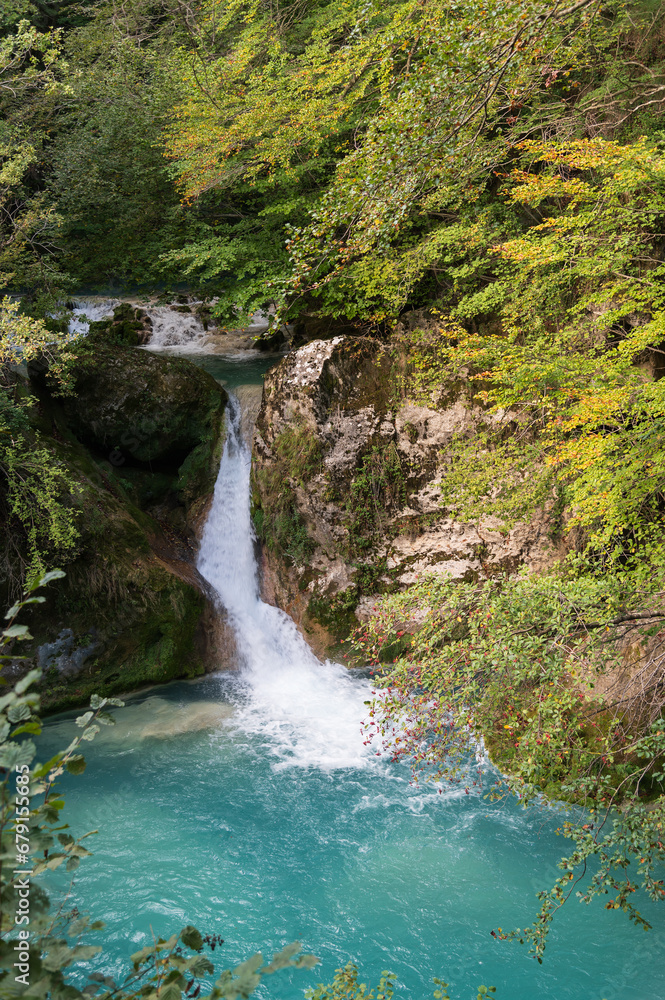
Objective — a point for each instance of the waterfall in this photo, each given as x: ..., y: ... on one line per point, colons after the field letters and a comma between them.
x: 170, y: 328
x: 310, y: 713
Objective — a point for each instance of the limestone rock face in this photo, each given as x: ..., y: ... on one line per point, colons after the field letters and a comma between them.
x: 350, y: 466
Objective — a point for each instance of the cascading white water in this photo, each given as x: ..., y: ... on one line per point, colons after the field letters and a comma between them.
x: 310, y: 712
x: 172, y: 329
x: 90, y: 310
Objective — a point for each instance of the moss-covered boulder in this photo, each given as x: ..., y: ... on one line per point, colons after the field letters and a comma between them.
x: 130, y: 325
x: 153, y: 420
x: 142, y: 407
x: 131, y: 608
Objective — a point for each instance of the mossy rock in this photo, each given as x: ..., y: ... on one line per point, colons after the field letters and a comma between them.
x: 125, y: 598
x: 130, y: 326
x: 132, y: 406
x: 131, y: 605
x: 272, y: 340
x: 145, y: 645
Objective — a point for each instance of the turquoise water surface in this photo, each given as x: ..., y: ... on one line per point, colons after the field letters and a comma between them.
x: 210, y: 827
x: 234, y: 371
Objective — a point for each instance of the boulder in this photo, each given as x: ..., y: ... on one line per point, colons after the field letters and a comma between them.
x: 130, y: 326
x: 133, y: 406
x: 139, y: 437
x: 132, y: 609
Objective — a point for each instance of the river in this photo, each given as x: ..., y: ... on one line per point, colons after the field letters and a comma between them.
x: 248, y: 804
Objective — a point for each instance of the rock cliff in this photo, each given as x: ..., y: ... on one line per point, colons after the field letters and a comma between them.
x: 348, y: 467
x: 140, y: 438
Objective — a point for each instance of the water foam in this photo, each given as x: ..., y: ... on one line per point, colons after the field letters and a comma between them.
x: 310, y: 713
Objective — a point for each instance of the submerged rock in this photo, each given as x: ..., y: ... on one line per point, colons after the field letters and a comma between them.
x: 192, y: 718
x: 62, y: 654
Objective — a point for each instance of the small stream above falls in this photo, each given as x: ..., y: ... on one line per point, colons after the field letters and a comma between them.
x: 176, y: 329
x: 248, y: 804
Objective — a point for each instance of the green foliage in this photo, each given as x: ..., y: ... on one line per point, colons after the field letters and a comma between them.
x: 30, y: 65
x: 345, y: 986
x: 23, y: 338
x: 377, y: 487
x: 581, y: 315
x: 108, y: 176
x: 278, y: 522
x: 38, y: 488
x: 263, y: 120
x: 485, y: 476
x: 35, y: 487
x: 387, y: 124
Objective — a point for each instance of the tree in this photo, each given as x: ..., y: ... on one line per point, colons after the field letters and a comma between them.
x: 392, y: 117
x: 514, y: 663
x: 108, y: 178
x: 30, y: 64
x: 35, y: 486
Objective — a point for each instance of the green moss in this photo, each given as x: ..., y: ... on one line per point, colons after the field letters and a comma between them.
x: 129, y: 326
x: 198, y: 473
x: 337, y: 614
x: 143, y: 615
x: 378, y: 487
x: 298, y: 452
x: 277, y: 519
x: 134, y: 407
x: 117, y: 592
x: 280, y: 526
x: 158, y: 649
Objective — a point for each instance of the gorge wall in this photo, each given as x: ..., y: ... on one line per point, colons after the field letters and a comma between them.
x: 139, y: 437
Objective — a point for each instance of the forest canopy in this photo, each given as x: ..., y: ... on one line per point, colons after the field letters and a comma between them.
x: 500, y: 163
x: 341, y: 157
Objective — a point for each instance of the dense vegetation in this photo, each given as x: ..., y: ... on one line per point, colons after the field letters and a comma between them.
x: 498, y: 163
